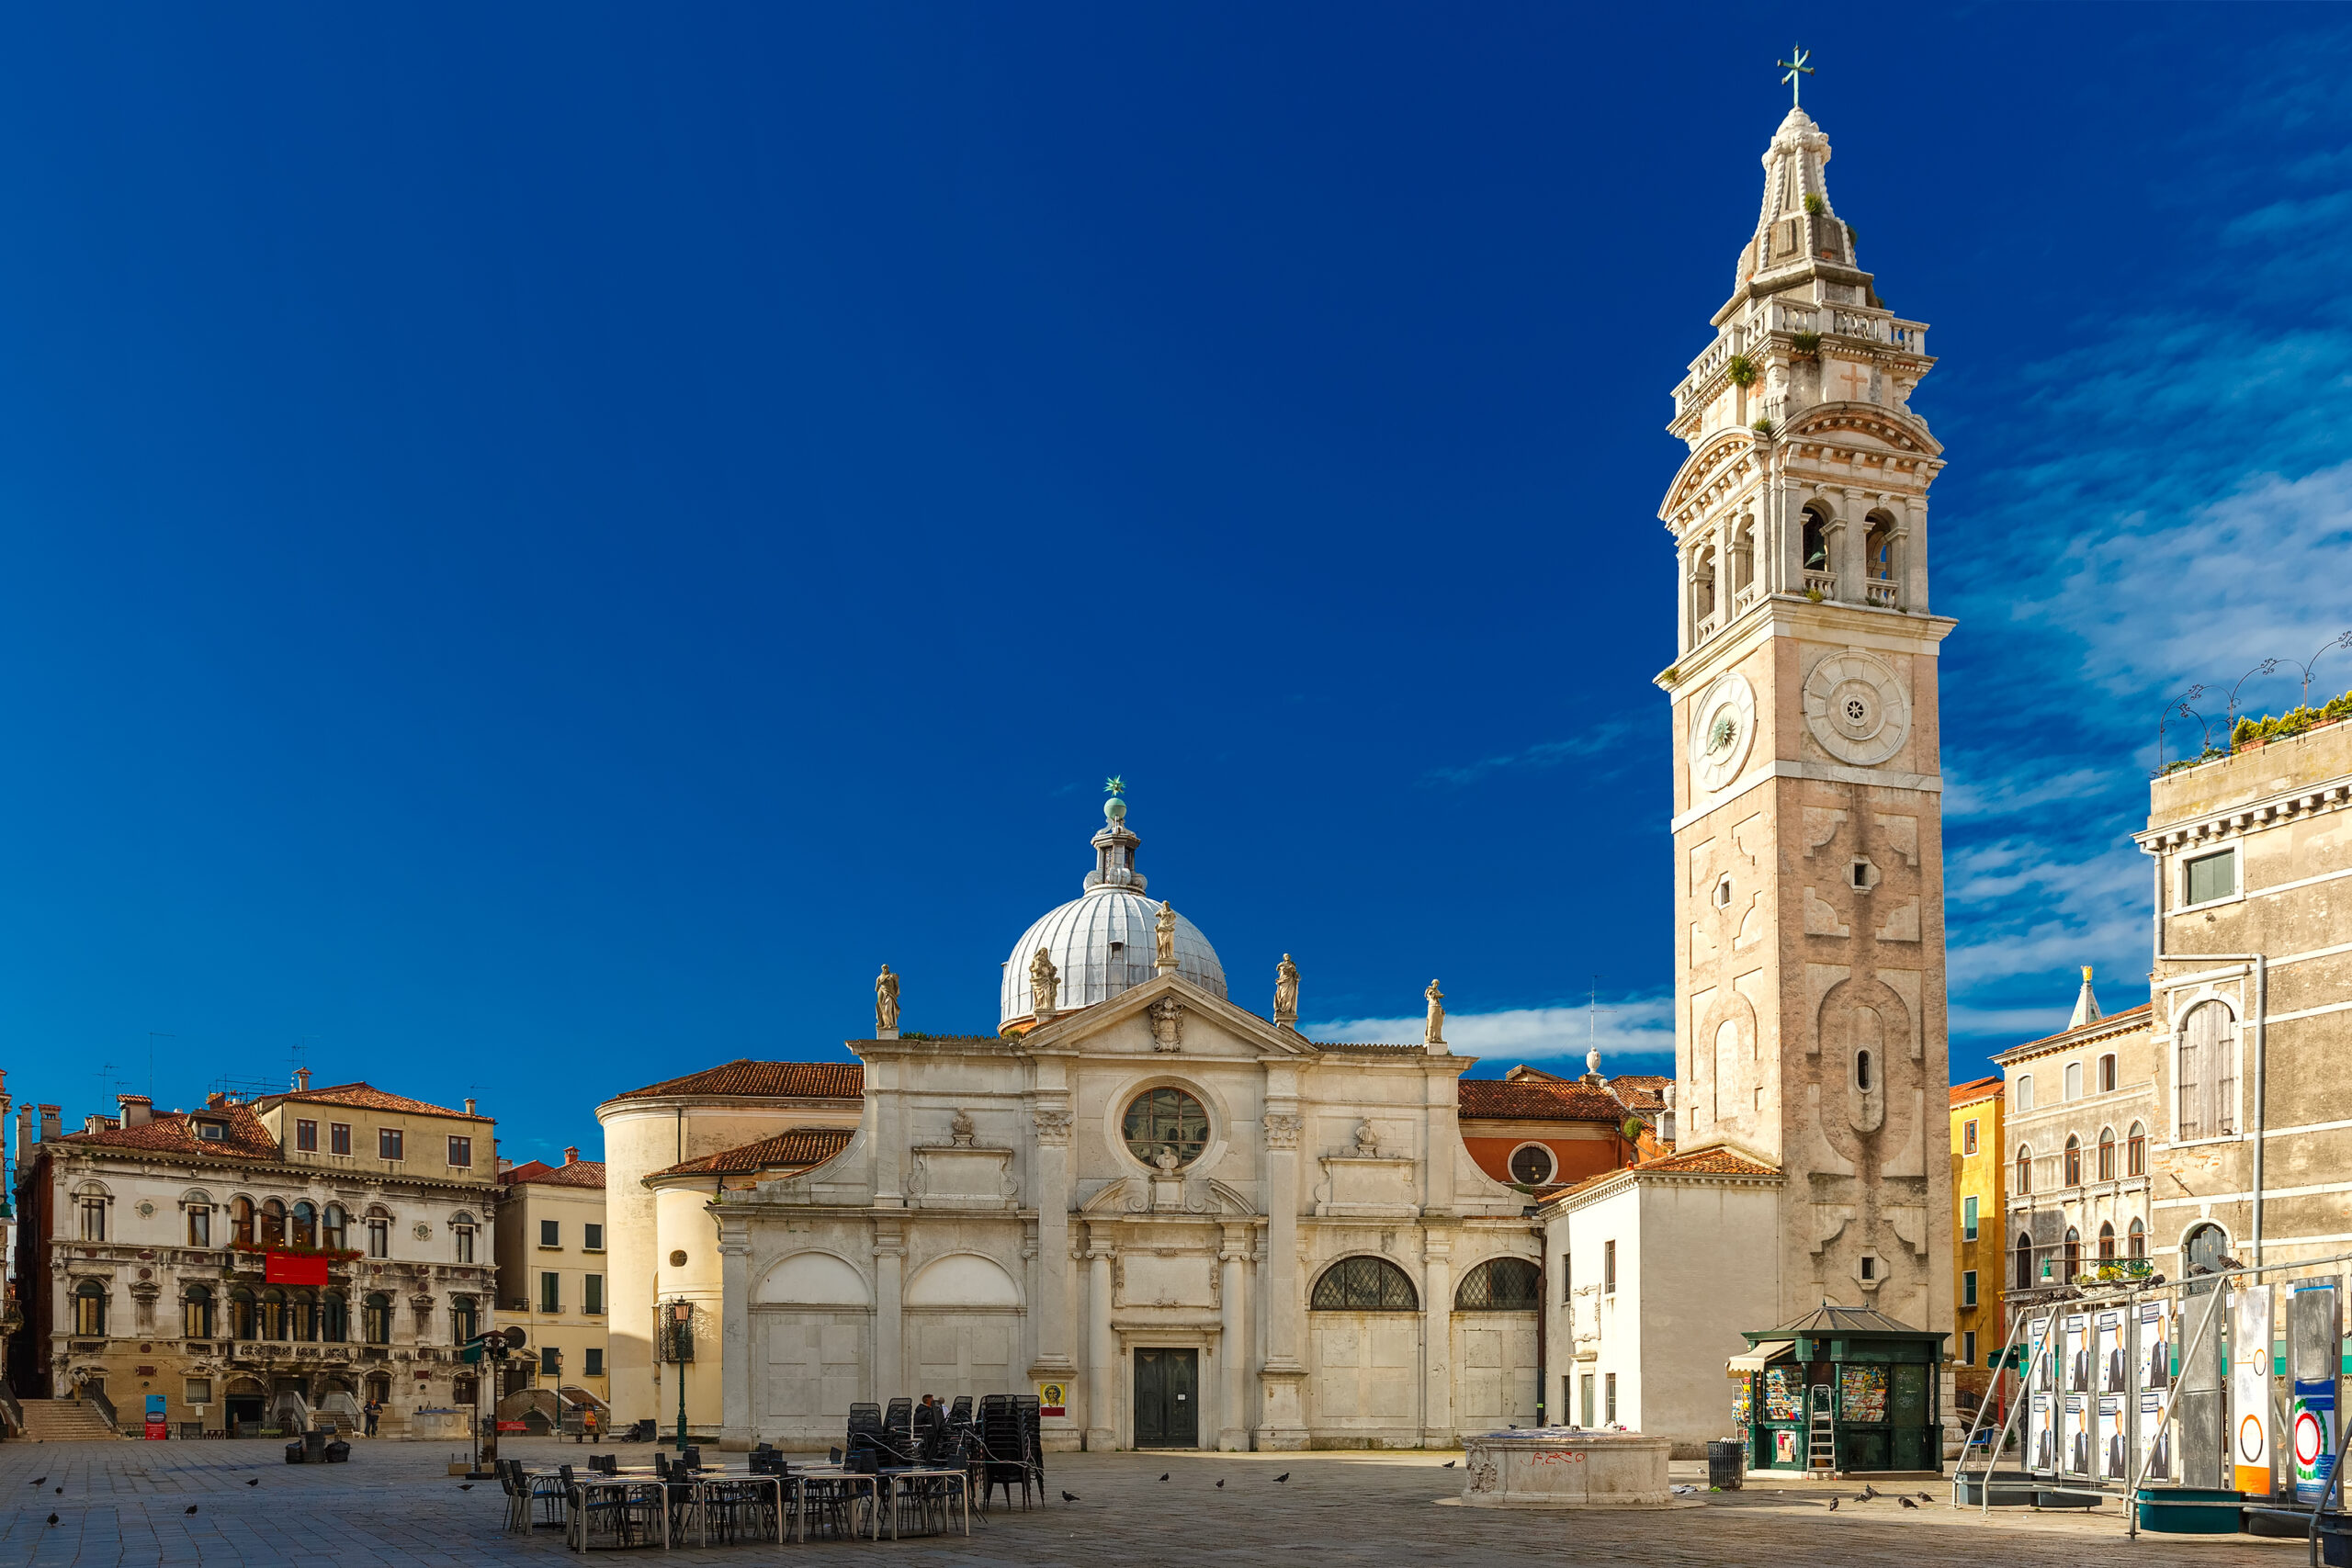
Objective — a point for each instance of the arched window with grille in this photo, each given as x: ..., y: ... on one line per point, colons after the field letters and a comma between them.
x: 302, y: 1316
x: 2106, y: 1241
x: 241, y: 1221
x: 2073, y: 1160
x: 2106, y: 1154
x: 273, y: 1224
x: 2073, y: 1254
x: 306, y: 1224
x: 273, y: 1314
x: 335, y: 1318
x: 2138, y: 1239
x: 375, y: 1319
x: 2135, y: 1151
x: 1499, y: 1284
x: 243, y: 1319
x: 196, y: 1312
x: 465, y: 1319
x: 2025, y: 1170
x: 330, y: 1228
x: 461, y: 1237
x: 90, y: 1310
x: 2025, y: 1261
x: 1364, y: 1284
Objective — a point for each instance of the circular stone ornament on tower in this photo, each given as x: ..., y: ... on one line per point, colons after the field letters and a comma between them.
x: 1855, y: 707
x: 1723, y: 730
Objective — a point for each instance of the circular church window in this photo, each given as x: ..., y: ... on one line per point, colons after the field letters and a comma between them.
x: 1166, y: 1128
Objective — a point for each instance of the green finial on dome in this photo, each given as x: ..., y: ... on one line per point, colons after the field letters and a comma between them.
x: 1116, y: 809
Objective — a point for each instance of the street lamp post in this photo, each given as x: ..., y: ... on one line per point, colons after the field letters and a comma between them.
x: 678, y: 1335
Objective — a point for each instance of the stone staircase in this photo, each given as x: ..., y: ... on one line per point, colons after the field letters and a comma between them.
x: 65, y: 1421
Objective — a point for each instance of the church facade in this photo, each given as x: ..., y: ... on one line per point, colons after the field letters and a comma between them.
x: 1179, y: 1223
x: 1811, y: 1064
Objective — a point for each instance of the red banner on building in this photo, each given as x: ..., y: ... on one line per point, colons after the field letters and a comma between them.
x: 294, y: 1268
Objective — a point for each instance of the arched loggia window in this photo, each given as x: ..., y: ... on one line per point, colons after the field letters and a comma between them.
x: 1499, y: 1284
x: 1364, y: 1284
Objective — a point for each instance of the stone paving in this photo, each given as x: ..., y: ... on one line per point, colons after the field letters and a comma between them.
x: 125, y: 1503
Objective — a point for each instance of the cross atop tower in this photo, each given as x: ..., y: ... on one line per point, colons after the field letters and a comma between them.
x: 1797, y: 68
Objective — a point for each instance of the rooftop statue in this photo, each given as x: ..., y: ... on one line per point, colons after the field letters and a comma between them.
x: 885, y: 1001
x: 1434, y: 1034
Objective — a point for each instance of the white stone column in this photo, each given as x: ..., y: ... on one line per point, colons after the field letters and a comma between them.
x: 736, y: 1369
x: 1437, y: 1339
x: 1233, y: 1342
x: 1685, y: 620
x: 889, y: 1132
x: 889, y: 1323
x: 1914, y: 553
x: 1049, y: 1149
x: 1101, y: 1346
x: 1281, y: 1415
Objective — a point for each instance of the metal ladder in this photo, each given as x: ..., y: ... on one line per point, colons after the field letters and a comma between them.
x: 1821, y: 1434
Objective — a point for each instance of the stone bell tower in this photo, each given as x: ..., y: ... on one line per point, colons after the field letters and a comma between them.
x: 1809, y: 935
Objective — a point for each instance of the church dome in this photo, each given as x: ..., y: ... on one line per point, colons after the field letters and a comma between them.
x: 1106, y: 939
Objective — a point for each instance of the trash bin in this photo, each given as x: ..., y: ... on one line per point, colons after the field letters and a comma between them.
x: 1726, y: 1461
x: 314, y: 1445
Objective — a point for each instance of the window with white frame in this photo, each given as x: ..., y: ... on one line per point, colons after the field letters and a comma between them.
x: 2074, y: 1080
x: 2025, y: 1091
x: 2207, y: 879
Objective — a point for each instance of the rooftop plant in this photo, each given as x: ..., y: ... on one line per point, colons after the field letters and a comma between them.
x: 1807, y: 344
x: 1815, y: 204
x: 1741, y: 370
x: 2294, y: 721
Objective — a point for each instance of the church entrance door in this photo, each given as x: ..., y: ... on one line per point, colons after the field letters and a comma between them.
x: 1168, y: 1399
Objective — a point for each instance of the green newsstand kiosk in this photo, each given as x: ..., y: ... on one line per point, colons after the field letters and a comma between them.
x: 1852, y: 1383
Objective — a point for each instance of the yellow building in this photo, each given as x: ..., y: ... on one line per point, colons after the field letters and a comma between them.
x: 552, y: 1285
x: 1976, y: 1234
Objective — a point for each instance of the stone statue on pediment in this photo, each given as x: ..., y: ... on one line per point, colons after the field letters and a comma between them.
x: 1163, y: 931
x: 1285, y: 991
x: 1433, y: 1033
x: 886, y: 1002
x: 1044, y: 982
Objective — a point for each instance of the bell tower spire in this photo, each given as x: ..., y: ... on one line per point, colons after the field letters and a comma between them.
x: 1809, y: 948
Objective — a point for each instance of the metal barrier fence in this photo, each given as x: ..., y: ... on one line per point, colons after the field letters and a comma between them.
x: 2127, y: 1387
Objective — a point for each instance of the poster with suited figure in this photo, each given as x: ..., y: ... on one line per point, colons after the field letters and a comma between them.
x: 2041, y: 1435
x: 2075, y: 1434
x: 2156, y: 1345
x: 2115, y: 1447
x: 2155, y: 1433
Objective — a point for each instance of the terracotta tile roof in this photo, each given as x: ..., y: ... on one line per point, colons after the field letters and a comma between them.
x: 795, y: 1149
x: 1979, y: 1088
x: 1703, y: 1162
x: 578, y: 1173
x: 1522, y: 1073
x: 1708, y: 1162
x: 2111, y: 1023
x: 1535, y: 1100
x: 173, y: 1131
x: 1641, y: 1090
x: 770, y: 1080
x: 367, y: 1097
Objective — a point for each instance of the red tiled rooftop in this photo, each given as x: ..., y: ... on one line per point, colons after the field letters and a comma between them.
x: 538, y: 1172
x: 1535, y: 1100
x: 367, y: 1097
x: 173, y: 1131
x: 796, y: 1148
x: 1977, y: 1088
x: 769, y: 1080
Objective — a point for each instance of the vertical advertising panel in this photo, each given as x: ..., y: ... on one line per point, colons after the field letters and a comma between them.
x: 2155, y: 1439
x: 2109, y: 1361
x: 2250, y: 1389
x: 2075, y: 1434
x: 2075, y: 1351
x: 2040, y: 1424
x: 2314, y: 1329
x: 2156, y: 1345
x: 2114, y: 1449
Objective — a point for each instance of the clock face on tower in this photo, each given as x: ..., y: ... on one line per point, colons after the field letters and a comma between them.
x: 1723, y: 727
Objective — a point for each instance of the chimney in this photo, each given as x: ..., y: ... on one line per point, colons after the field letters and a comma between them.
x: 50, y: 1127
x: 215, y: 1100
x: 136, y: 1109
x: 27, y: 1129
x: 97, y: 1121
x: 505, y: 1165
x: 302, y: 1080
x: 469, y: 1105
x: 570, y: 1154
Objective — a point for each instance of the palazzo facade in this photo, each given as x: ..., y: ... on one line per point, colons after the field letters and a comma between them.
x: 1179, y: 1223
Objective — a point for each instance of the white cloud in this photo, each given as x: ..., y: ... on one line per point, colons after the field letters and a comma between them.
x: 1967, y: 796
x: 1642, y: 1026
x: 1599, y: 740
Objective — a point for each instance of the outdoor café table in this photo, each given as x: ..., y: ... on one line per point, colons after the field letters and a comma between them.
x: 585, y: 1487
x: 895, y: 1480
x: 830, y: 1475
x: 700, y: 1486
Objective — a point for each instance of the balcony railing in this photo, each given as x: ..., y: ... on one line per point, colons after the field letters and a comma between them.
x: 1880, y: 590
x: 1822, y: 582
x: 1764, y: 317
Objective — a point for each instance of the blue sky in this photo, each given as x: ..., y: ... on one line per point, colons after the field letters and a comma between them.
x: 545, y: 545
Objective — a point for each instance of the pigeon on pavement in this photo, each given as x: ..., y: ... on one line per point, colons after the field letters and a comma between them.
x: 1164, y: 1474
x: 40, y: 1480
x: 1448, y: 1465
x: 465, y: 1486
x: 1906, y: 1502
x: 254, y: 1482
x: 1070, y: 1496
x: 1284, y: 1476
x: 52, y: 1519
x: 1869, y: 1491
x: 1220, y: 1484
x: 1833, y: 1504
x: 61, y: 1491
x: 1925, y: 1497
x: 189, y: 1509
